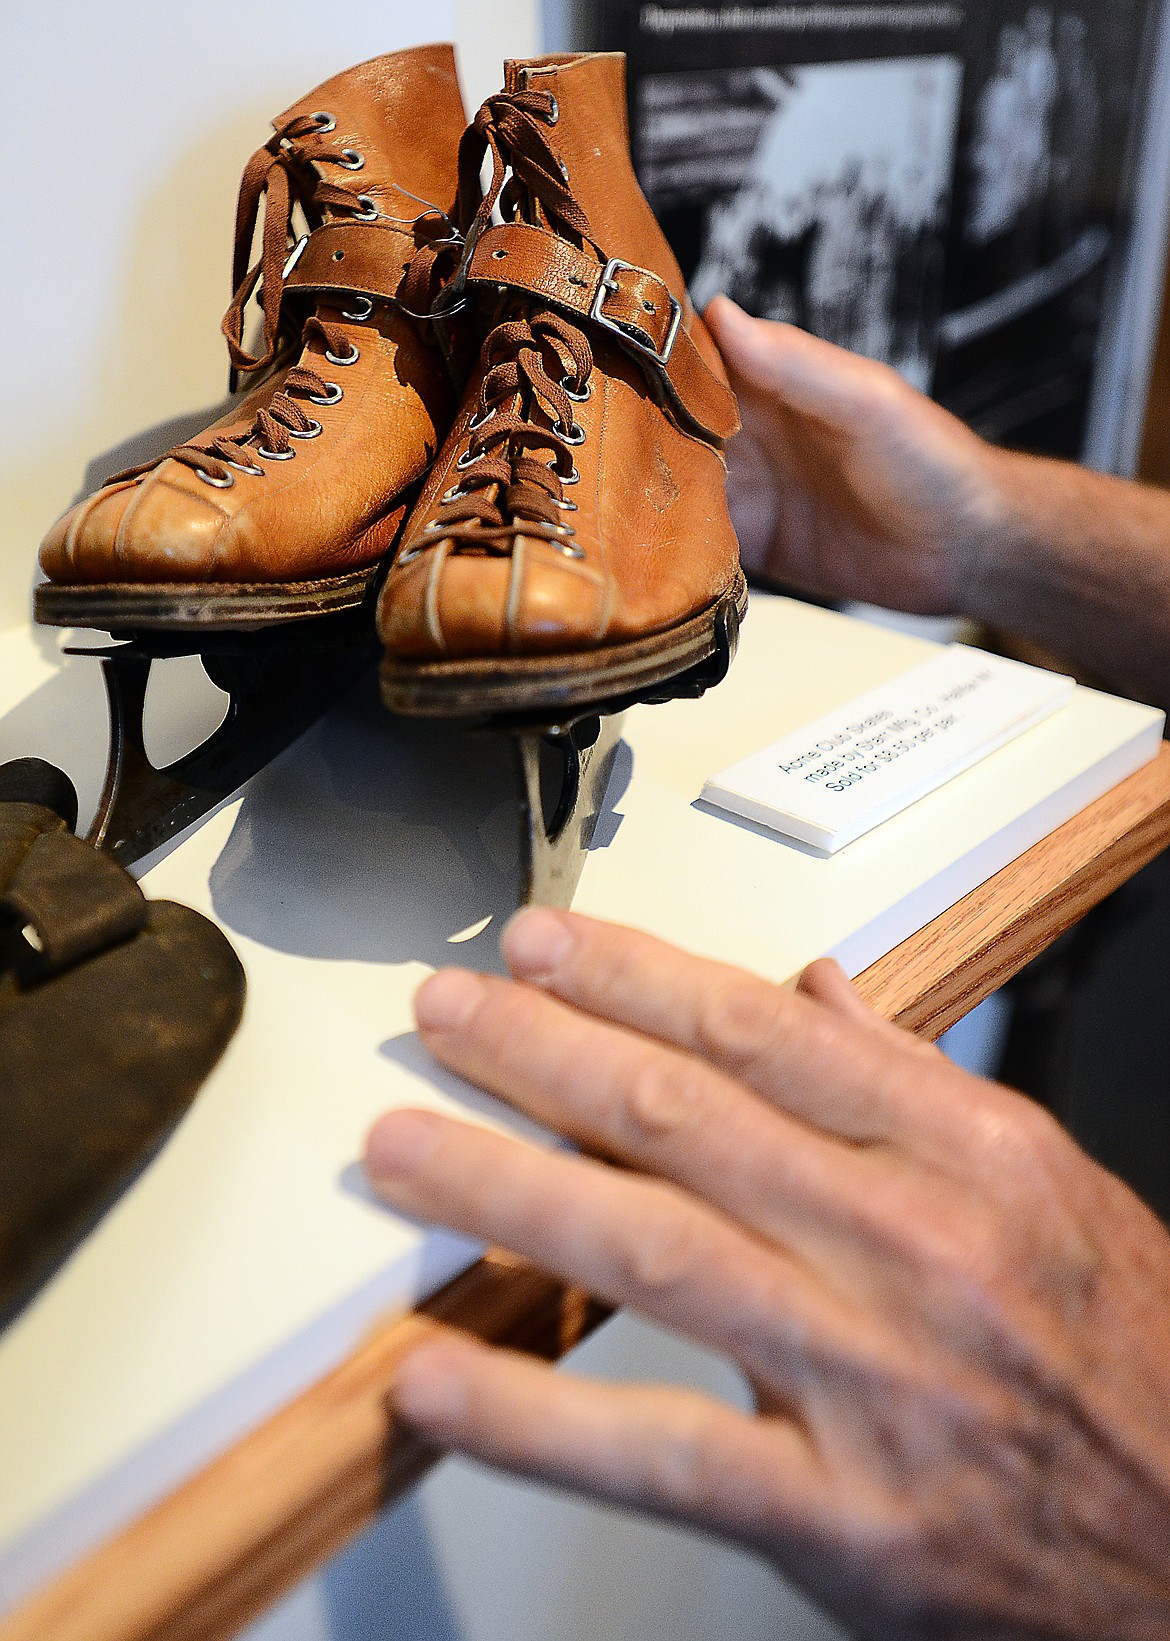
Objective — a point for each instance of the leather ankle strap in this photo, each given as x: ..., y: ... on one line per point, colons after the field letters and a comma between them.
x: 629, y: 303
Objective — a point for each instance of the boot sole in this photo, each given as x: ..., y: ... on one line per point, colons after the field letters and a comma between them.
x: 529, y: 683
x: 207, y: 606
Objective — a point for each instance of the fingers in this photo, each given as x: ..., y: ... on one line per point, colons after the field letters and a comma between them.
x: 826, y: 982
x: 671, y: 1452
x: 782, y: 366
x: 818, y: 1063
x: 618, y: 1093
x: 631, y: 1241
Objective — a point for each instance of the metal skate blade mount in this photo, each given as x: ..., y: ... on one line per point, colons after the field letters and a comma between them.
x: 278, y: 681
x: 564, y: 768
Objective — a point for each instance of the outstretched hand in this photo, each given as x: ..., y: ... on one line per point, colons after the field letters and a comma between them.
x: 956, y: 1325
x: 847, y: 483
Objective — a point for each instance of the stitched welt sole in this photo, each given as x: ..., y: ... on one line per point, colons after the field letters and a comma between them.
x: 206, y: 606
x: 528, y: 683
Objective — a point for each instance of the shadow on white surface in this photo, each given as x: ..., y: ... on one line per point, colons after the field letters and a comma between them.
x: 379, y: 839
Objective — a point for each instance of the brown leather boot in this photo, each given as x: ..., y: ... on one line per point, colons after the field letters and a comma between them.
x: 284, y: 508
x: 572, y: 541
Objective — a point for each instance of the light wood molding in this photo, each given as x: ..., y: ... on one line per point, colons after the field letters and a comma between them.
x: 941, y: 973
x: 236, y: 1536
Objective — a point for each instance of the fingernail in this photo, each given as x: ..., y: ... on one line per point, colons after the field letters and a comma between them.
x: 428, y: 1388
x: 447, y: 999
x: 399, y: 1144
x: 535, y: 943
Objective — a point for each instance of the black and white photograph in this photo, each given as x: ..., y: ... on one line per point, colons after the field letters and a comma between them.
x: 826, y: 194
x: 947, y: 188
x: 1053, y: 98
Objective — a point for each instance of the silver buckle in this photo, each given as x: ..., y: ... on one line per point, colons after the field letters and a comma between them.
x: 627, y: 335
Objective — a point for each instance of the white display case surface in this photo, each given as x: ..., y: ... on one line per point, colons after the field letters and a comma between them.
x: 248, y: 1257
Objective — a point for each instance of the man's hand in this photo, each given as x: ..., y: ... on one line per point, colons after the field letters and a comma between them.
x: 847, y: 483
x: 957, y: 1326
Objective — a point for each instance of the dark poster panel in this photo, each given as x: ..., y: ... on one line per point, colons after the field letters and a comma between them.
x: 941, y: 186
x: 1050, y: 120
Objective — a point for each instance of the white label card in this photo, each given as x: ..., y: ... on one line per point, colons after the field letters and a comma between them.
x: 844, y: 774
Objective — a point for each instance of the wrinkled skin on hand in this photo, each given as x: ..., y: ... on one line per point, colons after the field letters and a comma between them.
x: 957, y: 1326
x: 846, y: 482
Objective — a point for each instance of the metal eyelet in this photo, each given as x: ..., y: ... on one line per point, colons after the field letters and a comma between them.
x: 573, y: 434
x: 350, y: 358
x: 434, y: 526
x: 571, y: 550
x: 477, y: 420
x: 352, y: 160
x: 325, y: 122
x: 566, y: 506
x: 577, y: 398
x: 499, y: 253
x: 240, y: 467
x: 467, y: 458
x: 358, y: 313
x: 564, y: 169
x: 219, y: 484
x: 456, y: 493
x: 554, y: 110
x: 573, y: 478
x: 368, y: 212
x: 334, y: 396
x: 274, y: 455
x: 309, y: 432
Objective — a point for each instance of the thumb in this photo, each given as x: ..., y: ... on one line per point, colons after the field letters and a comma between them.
x: 781, y: 365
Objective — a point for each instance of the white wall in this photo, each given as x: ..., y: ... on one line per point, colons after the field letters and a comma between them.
x: 129, y: 122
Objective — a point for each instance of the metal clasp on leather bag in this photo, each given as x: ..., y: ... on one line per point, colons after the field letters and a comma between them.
x: 626, y: 332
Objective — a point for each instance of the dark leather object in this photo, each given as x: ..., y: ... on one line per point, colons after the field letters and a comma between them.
x: 106, y: 1034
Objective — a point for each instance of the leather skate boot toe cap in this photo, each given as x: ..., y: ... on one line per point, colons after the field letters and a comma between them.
x: 161, y: 529
x: 535, y: 601
x: 79, y: 546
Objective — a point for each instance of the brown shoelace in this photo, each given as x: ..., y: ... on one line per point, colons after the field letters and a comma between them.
x: 282, y: 176
x: 535, y: 360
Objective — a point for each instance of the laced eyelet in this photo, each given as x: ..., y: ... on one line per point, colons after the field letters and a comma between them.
x: 578, y: 398
x: 352, y: 160
x: 325, y: 122
x: 274, y: 455
x: 573, y: 434
x: 571, y: 550
x: 309, y: 432
x: 241, y: 467
x: 564, y: 170
x: 361, y: 310
x: 467, y: 458
x: 434, y: 526
x: 573, y: 478
x: 456, y: 493
x: 406, y: 556
x: 350, y: 358
x: 368, y: 212
x: 333, y: 396
x: 219, y: 484
x: 554, y: 110
x: 477, y: 420
x: 565, y: 506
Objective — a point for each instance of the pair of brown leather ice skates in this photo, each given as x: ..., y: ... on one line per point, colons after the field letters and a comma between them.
x: 490, y: 416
